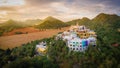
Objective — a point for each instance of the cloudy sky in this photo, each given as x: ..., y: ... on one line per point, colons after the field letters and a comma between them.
x: 61, y: 9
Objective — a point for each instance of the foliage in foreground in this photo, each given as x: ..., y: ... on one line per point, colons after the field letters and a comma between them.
x: 58, y: 55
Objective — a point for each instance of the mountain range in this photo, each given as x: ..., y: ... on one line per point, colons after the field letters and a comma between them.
x: 50, y: 22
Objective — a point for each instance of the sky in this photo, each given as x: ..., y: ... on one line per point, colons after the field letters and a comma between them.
x: 62, y: 9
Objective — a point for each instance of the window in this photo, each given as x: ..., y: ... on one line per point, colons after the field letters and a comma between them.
x: 80, y: 48
x: 73, y: 42
x: 73, y: 45
x: 73, y: 48
x: 91, y: 41
x: 76, y: 48
x: 70, y: 45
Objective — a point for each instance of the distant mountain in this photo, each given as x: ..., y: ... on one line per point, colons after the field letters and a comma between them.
x: 73, y: 22
x: 10, y: 24
x: 83, y: 21
x: 112, y: 20
x: 33, y: 22
x: 106, y: 18
x: 51, y: 23
x: 107, y: 27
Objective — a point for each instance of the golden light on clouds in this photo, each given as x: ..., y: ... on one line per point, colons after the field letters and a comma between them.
x: 62, y: 9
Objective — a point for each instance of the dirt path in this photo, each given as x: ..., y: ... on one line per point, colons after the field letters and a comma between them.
x: 18, y: 40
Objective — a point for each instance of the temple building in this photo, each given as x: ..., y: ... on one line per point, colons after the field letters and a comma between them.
x: 78, y: 38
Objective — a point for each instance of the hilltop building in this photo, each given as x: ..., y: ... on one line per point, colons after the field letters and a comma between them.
x: 78, y: 38
x: 41, y: 48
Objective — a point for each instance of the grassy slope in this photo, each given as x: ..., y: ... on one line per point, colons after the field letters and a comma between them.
x: 51, y: 23
x: 11, y: 24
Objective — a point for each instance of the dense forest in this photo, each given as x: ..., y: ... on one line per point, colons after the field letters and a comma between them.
x: 58, y: 55
x: 104, y: 55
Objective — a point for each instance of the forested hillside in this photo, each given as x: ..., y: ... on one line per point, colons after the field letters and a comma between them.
x: 59, y: 56
x: 51, y: 23
x: 104, y: 55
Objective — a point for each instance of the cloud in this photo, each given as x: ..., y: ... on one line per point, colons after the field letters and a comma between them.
x: 11, y: 2
x: 7, y: 8
x: 63, y: 9
x: 41, y: 2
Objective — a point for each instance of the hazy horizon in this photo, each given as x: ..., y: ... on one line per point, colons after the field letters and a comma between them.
x: 63, y: 9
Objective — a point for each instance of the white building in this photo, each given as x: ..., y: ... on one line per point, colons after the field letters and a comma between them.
x: 69, y: 37
x: 41, y: 47
x: 78, y: 44
x: 92, y: 41
x: 75, y: 42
